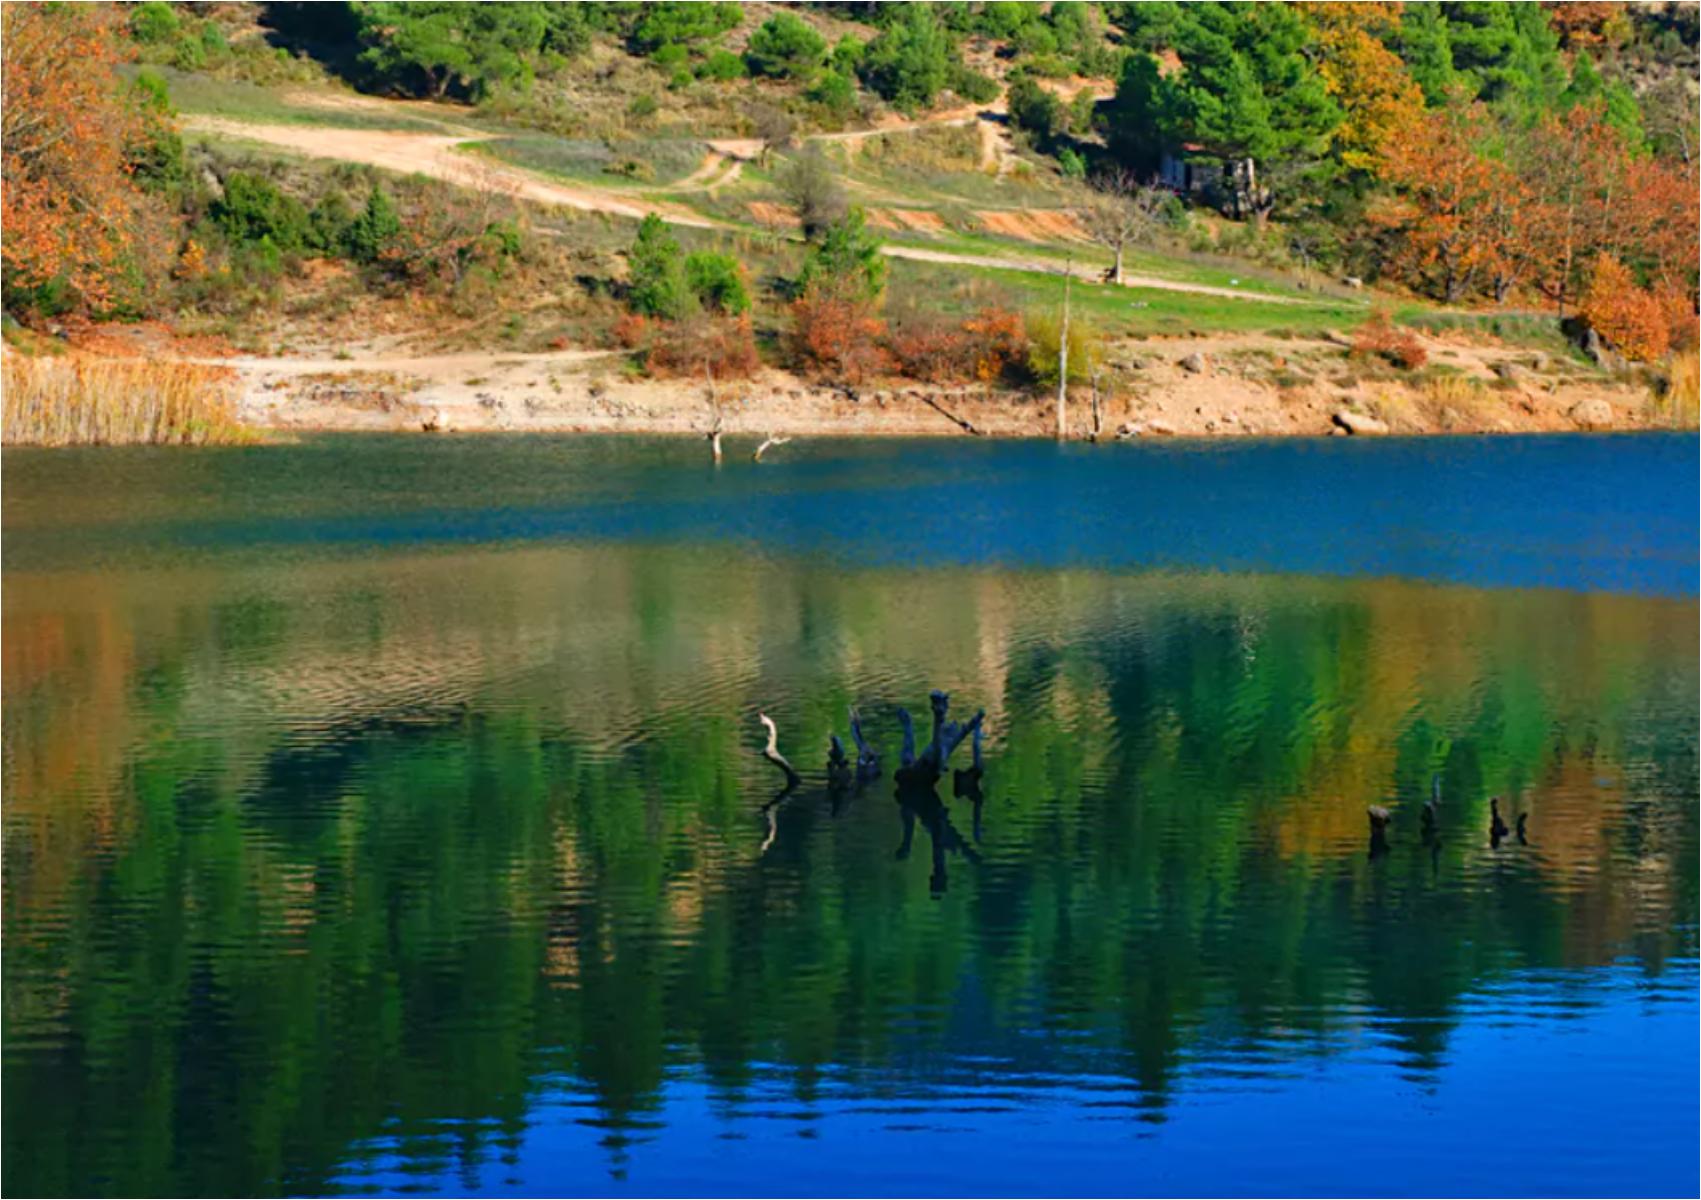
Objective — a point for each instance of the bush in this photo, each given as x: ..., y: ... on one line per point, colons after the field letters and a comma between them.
x: 376, y: 228
x: 909, y: 63
x: 836, y: 333
x: 847, y: 55
x: 834, y: 92
x: 1072, y: 164
x: 990, y: 347
x: 721, y: 66
x: 1635, y: 320
x: 683, y: 23
x: 971, y: 85
x: 1379, y: 338
x: 153, y: 23
x: 718, y: 282
x: 848, y: 259
x: 812, y: 188
x: 1034, y: 109
x: 784, y: 48
x: 252, y: 208
x: 670, y: 56
x: 1086, y: 347
x: 656, y: 284
x: 642, y: 106
x: 722, y: 347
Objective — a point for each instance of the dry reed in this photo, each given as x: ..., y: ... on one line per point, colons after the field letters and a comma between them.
x: 103, y: 401
x: 1676, y: 399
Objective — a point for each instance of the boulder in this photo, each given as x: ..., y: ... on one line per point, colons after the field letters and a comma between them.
x: 1160, y: 427
x: 435, y: 421
x: 1358, y: 423
x: 1592, y: 413
x: 1352, y: 281
x: 1600, y: 352
x: 1194, y: 363
x: 1510, y: 372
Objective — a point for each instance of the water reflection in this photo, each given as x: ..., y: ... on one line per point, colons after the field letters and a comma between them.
x: 458, y: 868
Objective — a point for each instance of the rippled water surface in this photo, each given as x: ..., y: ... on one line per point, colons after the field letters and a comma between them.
x: 388, y: 814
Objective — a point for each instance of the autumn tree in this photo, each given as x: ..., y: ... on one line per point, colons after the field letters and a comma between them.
x: 71, y: 209
x: 1446, y: 189
x: 1378, y: 98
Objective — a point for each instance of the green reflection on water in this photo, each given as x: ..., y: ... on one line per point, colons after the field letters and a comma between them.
x: 303, y: 855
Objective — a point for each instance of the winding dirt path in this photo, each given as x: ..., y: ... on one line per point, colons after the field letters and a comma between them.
x: 438, y: 156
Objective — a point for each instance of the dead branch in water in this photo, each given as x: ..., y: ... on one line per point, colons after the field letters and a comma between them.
x: 961, y: 422
x: 924, y: 770
x: 771, y: 752
x: 771, y: 441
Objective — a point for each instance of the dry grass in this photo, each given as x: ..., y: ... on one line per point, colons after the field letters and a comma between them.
x: 1676, y: 400
x: 100, y: 401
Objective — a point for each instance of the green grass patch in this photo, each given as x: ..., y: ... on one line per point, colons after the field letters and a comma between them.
x: 953, y: 288
x: 637, y: 163
x: 239, y: 101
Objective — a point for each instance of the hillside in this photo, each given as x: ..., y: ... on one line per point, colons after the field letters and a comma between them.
x: 417, y: 214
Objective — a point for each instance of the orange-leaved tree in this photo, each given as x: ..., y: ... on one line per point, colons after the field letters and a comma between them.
x: 1447, y: 216
x: 68, y: 204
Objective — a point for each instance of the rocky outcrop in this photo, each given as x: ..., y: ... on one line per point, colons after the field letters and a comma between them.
x: 1358, y: 424
x: 1592, y: 413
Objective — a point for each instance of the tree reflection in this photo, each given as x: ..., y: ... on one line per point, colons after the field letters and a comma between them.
x: 391, y: 857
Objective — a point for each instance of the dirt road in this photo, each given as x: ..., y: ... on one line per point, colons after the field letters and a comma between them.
x: 438, y: 156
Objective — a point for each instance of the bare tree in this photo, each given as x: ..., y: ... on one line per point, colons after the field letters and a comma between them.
x: 1123, y: 213
x: 774, y: 126
x: 812, y: 187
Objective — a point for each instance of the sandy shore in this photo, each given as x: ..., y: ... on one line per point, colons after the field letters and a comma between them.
x: 1218, y: 387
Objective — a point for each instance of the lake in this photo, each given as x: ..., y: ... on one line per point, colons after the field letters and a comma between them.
x: 387, y: 814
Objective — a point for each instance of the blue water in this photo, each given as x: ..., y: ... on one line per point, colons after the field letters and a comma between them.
x: 388, y: 815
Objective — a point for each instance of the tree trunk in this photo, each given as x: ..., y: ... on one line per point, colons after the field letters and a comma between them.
x: 1063, y: 355
x: 1118, y: 276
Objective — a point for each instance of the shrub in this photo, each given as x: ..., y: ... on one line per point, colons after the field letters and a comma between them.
x: 998, y: 338
x: 656, y: 285
x: 835, y: 332
x: 671, y: 56
x: 683, y: 23
x: 812, y: 188
x: 847, y: 55
x: 848, y: 259
x: 1034, y: 109
x: 1072, y: 164
x: 909, y: 63
x: 153, y: 23
x: 721, y: 66
x: 252, y: 208
x: 723, y: 346
x: 1045, y: 334
x: 784, y: 47
x: 926, y: 346
x: 1633, y: 319
x: 376, y: 228
x: 971, y: 85
x: 834, y: 92
x: 718, y: 282
x: 1378, y: 337
x: 642, y: 106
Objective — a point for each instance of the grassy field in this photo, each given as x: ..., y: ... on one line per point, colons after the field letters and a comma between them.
x: 1116, y: 311
x: 634, y: 164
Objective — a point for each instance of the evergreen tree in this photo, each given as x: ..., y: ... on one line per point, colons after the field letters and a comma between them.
x: 909, y: 63
x: 377, y: 226
x: 784, y: 47
x: 847, y: 256
x: 656, y: 282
